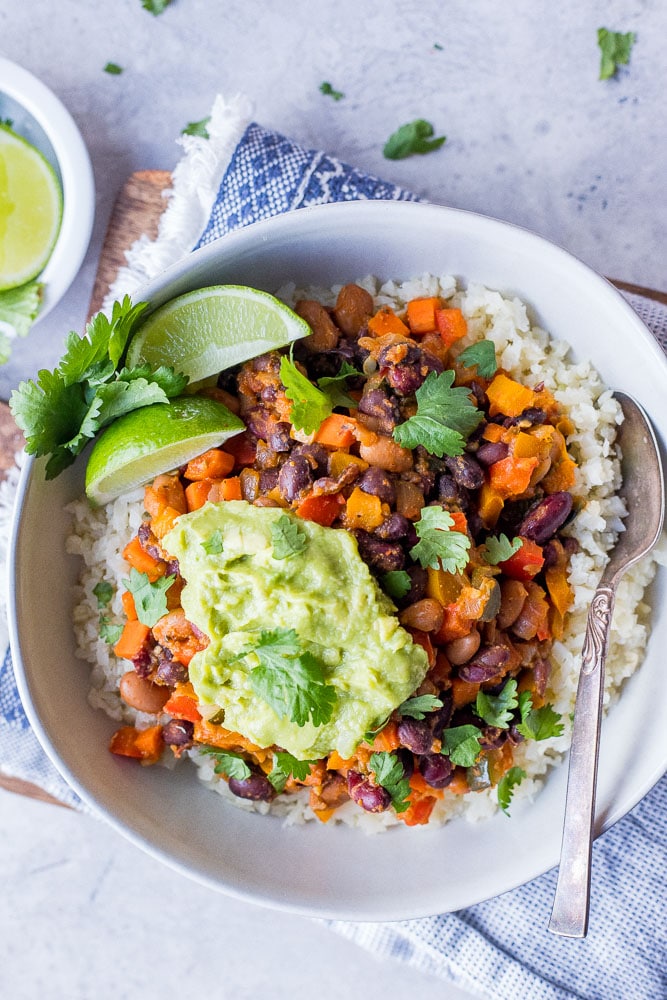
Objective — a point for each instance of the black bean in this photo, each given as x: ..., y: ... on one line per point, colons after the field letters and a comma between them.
x: 316, y: 455
x: 378, y: 483
x: 484, y: 665
x: 178, y: 733
x: 531, y: 415
x: 385, y: 556
x: 432, y: 363
x: 268, y: 480
x: 416, y: 735
x: 447, y: 488
x: 492, y: 451
x: 394, y: 528
x: 171, y: 671
x: 256, y: 787
x: 258, y: 421
x: 546, y: 517
x: 279, y: 437
x: 492, y: 738
x: 294, y: 477
x: 466, y: 470
x: 514, y: 736
x: 436, y: 770
x: 407, y: 761
x: 441, y: 718
x: 372, y: 798
x: 376, y: 403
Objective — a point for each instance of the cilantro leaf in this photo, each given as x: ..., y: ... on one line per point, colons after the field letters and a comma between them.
x: 615, y: 48
x: 113, y: 69
x: 19, y: 307
x: 231, y: 764
x: 538, y: 723
x: 506, y: 787
x: 197, y: 128
x: 328, y: 91
x: 389, y: 773
x: 105, y: 339
x: 496, y: 710
x: 155, y: 7
x: 286, y: 766
x: 103, y: 591
x: 438, y: 545
x: 412, y: 138
x: 213, y: 546
x: 150, y: 599
x: 172, y: 383
x: 288, y: 537
x: 396, y: 583
x: 481, y: 355
x: 289, y: 679
x: 334, y: 386
x: 417, y: 707
x: 48, y: 411
x: 112, y: 401
x: 499, y: 548
x: 444, y: 417
x: 310, y: 406
x: 461, y: 745
x: 109, y: 632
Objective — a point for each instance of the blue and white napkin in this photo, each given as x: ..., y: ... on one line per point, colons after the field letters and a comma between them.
x: 500, y: 948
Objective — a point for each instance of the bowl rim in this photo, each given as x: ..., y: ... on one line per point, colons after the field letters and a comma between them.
x: 76, y: 175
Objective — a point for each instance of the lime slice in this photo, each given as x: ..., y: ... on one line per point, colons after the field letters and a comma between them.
x: 208, y: 330
x: 31, y: 205
x: 154, y: 439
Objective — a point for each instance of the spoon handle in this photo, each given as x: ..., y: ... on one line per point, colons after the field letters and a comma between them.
x: 569, y: 916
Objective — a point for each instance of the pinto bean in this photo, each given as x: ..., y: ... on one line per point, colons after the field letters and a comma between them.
x: 353, y: 309
x: 512, y: 595
x: 387, y: 454
x: 425, y: 615
x: 485, y: 665
x: 140, y: 693
x: 325, y: 333
x: 546, y: 517
x: 459, y: 651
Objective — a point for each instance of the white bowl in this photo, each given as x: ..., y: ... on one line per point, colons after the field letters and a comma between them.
x: 43, y: 120
x: 316, y: 869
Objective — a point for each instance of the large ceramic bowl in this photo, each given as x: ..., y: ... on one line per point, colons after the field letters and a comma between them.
x: 317, y: 869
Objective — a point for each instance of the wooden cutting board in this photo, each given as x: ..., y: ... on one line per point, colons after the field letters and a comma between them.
x: 136, y: 212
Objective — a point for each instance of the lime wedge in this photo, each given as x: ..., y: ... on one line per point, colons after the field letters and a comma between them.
x: 154, y: 439
x: 31, y: 205
x: 211, y: 329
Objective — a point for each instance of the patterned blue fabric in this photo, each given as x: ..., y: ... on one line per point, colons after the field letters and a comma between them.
x: 500, y: 948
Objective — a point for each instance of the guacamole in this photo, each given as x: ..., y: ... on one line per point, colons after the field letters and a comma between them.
x: 237, y: 588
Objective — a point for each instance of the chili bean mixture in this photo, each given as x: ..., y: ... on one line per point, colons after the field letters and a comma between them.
x: 487, y: 627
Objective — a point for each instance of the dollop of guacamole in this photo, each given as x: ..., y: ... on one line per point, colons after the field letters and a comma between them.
x: 325, y: 592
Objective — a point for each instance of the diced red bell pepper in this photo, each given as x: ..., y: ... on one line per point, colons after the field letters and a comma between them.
x: 525, y: 563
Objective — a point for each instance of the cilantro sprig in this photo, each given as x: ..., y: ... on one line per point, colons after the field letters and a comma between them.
x: 286, y: 766
x: 103, y: 591
x: 288, y: 537
x: 396, y: 583
x: 498, y: 548
x: 213, y: 545
x: 412, y: 138
x: 497, y: 710
x: 65, y: 408
x: 389, y: 772
x: 328, y: 91
x: 438, y: 545
x: 288, y: 678
x: 538, y: 723
x: 110, y: 632
x: 482, y: 356
x: 506, y: 786
x: 18, y: 309
x: 155, y: 7
x: 333, y: 386
x: 417, y: 707
x: 310, y: 406
x: 445, y: 417
x: 615, y: 48
x: 231, y: 764
x: 461, y: 744
x: 150, y: 599
x: 197, y: 128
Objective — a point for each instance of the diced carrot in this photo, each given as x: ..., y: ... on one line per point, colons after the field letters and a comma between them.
x: 423, y: 639
x: 217, y: 736
x: 363, y: 510
x: 386, y: 321
x: 508, y: 397
x: 419, y: 811
x: 322, y: 509
x: 182, y: 707
x: 164, y: 521
x: 165, y: 491
x: 145, y: 745
x: 336, y: 431
x: 128, y: 606
x: 510, y: 477
x: 242, y: 448
x: 421, y: 314
x: 463, y: 692
x: 196, y: 493
x: 132, y: 640
x: 225, y: 489
x: 387, y: 739
x: 142, y: 561
x: 213, y: 464
x: 451, y: 324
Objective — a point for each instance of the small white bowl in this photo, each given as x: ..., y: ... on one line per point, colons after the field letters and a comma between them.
x: 43, y: 120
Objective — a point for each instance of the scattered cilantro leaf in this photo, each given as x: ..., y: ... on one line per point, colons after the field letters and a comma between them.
x: 227, y: 762
x: 7, y: 122
x: 410, y: 139
x: 481, y: 355
x: 288, y: 537
x: 389, y: 773
x: 396, y: 583
x: 461, y: 744
x: 286, y: 766
x: 445, y: 417
x: 113, y: 69
x: 438, y: 46
x: 212, y: 546
x: 334, y: 386
x: 538, y: 723
x: 506, y: 787
x: 417, y: 707
x: 496, y: 710
x: 289, y: 679
x: 499, y: 548
x: 109, y: 631
x: 103, y: 591
x: 615, y: 48
x: 155, y: 7
x: 328, y: 91
x: 150, y: 599
x: 19, y: 308
x: 310, y: 406
x: 438, y: 545
x: 197, y: 128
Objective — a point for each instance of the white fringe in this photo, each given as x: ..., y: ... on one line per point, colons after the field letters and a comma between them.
x: 196, y: 180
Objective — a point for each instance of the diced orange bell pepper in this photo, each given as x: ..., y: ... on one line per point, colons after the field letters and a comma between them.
x: 363, y: 510
x: 181, y: 706
x: 508, y: 397
x: 451, y: 324
x: 510, y: 477
x: 419, y: 811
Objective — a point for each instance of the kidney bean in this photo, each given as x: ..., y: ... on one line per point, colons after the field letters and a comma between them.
x: 541, y: 674
x: 353, y: 309
x: 492, y: 738
x: 406, y: 379
x: 466, y: 470
x: 484, y: 665
x: 294, y: 477
x: 512, y: 595
x: 425, y: 615
x: 436, y: 770
x: 325, y: 332
x: 407, y: 761
x: 459, y: 651
x: 447, y: 488
x: 394, y: 528
x: 372, y: 798
x: 546, y: 517
x: 256, y: 787
x: 143, y: 662
x: 149, y: 542
x: 142, y: 694
x: 385, y: 556
x: 441, y: 718
x: 492, y: 451
x: 378, y: 483
x: 178, y: 733
x: 416, y: 735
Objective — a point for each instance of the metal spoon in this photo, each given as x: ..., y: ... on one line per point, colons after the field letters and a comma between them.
x: 643, y: 490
